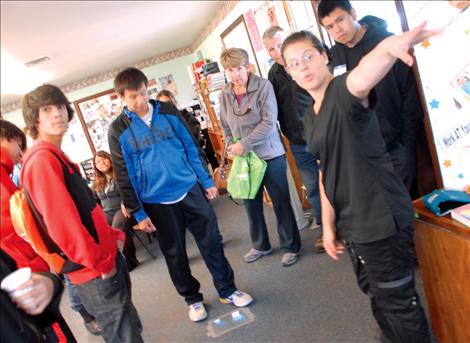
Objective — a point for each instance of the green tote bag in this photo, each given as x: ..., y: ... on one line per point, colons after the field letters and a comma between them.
x: 246, y: 176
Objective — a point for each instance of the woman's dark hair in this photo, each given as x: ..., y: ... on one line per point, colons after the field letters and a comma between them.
x: 308, y: 36
x: 168, y: 94
x: 130, y: 78
x: 42, y: 96
x: 100, y: 178
x: 325, y: 7
x: 10, y: 131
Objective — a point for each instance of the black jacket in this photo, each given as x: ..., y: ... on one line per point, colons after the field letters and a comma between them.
x: 17, y: 326
x: 398, y: 108
x: 193, y: 124
x: 292, y: 101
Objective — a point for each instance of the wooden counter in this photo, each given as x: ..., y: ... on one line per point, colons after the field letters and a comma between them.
x: 443, y: 249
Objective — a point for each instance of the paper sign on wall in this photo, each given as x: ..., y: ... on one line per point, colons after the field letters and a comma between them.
x: 253, y: 31
x: 444, y: 66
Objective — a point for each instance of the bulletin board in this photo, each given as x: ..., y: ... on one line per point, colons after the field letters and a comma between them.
x: 96, y: 113
x: 443, y: 63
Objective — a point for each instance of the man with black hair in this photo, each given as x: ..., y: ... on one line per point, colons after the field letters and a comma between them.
x: 74, y: 222
x: 292, y: 102
x: 398, y: 108
x: 163, y: 182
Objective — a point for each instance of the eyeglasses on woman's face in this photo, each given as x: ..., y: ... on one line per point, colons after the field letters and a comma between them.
x: 306, y: 59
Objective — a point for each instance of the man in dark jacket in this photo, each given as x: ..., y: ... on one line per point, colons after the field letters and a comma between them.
x: 292, y: 102
x: 398, y: 108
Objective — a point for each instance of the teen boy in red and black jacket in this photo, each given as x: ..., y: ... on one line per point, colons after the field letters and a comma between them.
x: 74, y: 222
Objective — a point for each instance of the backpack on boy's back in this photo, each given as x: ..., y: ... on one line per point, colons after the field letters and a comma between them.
x: 29, y: 225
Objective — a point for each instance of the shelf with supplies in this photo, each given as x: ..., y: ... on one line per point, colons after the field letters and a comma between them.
x: 208, y: 81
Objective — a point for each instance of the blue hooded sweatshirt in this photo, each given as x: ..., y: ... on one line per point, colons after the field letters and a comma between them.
x: 155, y: 164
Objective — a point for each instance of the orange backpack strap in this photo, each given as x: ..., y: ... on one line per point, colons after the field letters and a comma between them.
x: 29, y: 225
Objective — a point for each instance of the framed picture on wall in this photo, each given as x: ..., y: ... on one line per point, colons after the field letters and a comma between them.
x: 236, y: 36
x: 97, y: 112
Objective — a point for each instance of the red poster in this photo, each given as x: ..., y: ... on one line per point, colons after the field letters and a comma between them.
x: 253, y: 31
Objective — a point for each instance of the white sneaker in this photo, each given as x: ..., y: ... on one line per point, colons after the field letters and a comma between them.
x: 238, y: 298
x: 197, y: 312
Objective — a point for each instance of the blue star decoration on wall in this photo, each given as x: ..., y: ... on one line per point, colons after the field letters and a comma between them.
x: 460, y: 176
x: 434, y: 103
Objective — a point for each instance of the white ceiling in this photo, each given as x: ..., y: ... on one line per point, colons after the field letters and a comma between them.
x: 89, y: 37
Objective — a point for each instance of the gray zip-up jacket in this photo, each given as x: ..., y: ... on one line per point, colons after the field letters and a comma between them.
x: 254, y: 120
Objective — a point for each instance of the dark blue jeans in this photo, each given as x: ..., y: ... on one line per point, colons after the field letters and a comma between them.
x: 384, y: 271
x: 275, y: 180
x: 308, y: 168
x: 109, y: 301
x: 195, y: 213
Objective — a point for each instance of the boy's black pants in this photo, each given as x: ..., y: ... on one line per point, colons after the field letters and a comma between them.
x: 195, y: 213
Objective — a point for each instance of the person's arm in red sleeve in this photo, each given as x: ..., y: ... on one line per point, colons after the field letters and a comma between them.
x: 44, y: 180
x: 11, y: 243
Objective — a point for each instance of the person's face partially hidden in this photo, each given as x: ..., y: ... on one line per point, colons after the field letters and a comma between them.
x: 273, y: 46
x: 12, y: 148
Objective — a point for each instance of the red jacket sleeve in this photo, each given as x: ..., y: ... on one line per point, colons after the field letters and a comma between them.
x: 11, y: 243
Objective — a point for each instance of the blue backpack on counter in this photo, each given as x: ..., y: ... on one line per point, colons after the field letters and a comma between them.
x: 441, y: 201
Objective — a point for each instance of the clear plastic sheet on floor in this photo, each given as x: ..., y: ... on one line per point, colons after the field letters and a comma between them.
x: 229, y: 321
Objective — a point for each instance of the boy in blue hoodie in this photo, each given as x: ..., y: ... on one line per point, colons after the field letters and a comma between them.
x: 165, y: 186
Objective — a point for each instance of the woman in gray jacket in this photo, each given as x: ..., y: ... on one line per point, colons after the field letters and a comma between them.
x: 248, y: 111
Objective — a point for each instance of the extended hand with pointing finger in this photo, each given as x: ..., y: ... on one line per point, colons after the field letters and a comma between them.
x: 400, y: 45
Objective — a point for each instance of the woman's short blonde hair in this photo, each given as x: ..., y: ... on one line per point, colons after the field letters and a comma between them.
x: 234, y: 57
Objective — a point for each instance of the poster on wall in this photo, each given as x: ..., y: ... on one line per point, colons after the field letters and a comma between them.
x: 168, y: 83
x: 253, y: 31
x: 97, y: 113
x: 444, y: 65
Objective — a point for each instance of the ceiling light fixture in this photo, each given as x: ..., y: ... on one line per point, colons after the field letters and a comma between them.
x: 38, y: 60
x: 19, y: 79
